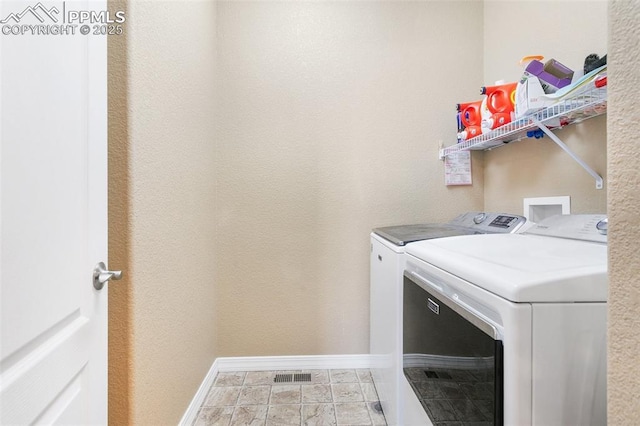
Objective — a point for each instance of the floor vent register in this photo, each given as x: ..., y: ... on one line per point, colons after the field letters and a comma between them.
x: 290, y: 378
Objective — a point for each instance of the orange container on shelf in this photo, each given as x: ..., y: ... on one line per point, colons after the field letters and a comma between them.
x: 470, y: 113
x: 469, y: 132
x: 496, y: 120
x: 500, y: 98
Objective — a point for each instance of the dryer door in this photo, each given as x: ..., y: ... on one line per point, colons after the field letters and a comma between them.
x: 453, y: 360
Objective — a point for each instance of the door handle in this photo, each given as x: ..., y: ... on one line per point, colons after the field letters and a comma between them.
x: 101, y: 275
x: 603, y: 226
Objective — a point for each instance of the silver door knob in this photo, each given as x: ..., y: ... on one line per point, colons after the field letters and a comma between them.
x: 101, y: 275
x: 603, y: 226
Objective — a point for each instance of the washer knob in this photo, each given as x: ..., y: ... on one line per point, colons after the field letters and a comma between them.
x: 479, y: 218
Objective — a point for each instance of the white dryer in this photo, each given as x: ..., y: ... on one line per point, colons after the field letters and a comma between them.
x: 509, y: 329
x: 387, y: 267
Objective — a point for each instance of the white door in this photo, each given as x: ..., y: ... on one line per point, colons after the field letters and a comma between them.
x: 53, y: 212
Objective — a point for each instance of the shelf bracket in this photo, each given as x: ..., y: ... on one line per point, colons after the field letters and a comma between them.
x: 556, y: 139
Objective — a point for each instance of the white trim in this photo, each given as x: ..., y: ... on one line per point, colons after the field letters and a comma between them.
x: 191, y: 414
x: 260, y: 363
x: 304, y: 362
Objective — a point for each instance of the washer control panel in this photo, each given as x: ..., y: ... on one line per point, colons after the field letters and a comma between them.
x: 585, y: 227
x: 486, y: 222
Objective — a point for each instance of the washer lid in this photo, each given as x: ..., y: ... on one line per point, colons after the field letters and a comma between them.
x: 522, y: 267
x: 468, y: 223
x: 405, y: 234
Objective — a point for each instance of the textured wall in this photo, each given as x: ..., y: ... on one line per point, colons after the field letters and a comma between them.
x: 162, y: 337
x: 331, y: 113
x: 567, y: 31
x: 624, y: 199
x: 120, y: 292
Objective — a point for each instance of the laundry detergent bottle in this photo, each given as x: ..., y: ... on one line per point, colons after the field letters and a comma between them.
x: 501, y: 97
x: 469, y: 132
x: 470, y: 113
x: 470, y: 116
x: 500, y: 103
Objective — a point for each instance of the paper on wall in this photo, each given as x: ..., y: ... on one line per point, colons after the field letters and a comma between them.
x: 457, y: 168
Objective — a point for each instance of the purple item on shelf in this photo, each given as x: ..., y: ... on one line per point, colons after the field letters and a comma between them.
x: 552, y: 75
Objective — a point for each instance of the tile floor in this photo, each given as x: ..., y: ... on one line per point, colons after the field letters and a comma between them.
x: 331, y: 397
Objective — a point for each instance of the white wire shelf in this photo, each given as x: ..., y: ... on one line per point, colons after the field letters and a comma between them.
x: 577, y: 106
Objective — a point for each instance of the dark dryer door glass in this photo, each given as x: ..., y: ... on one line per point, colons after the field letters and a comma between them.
x: 452, y: 363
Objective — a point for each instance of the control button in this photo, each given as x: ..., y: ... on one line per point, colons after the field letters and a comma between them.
x: 479, y: 218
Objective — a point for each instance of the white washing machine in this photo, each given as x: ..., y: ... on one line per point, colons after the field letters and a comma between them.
x: 387, y: 268
x: 509, y: 329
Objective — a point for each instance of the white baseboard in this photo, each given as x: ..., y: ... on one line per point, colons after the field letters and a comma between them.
x: 191, y: 414
x: 304, y: 362
x: 262, y: 363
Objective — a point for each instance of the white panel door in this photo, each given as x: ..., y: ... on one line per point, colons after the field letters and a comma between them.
x: 53, y: 204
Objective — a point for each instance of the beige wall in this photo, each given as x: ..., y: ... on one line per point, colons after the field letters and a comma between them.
x: 325, y: 133
x: 623, y: 202
x: 567, y: 31
x: 120, y: 294
x: 331, y: 113
x: 162, y: 337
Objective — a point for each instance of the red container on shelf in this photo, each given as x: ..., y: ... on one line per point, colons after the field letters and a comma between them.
x: 469, y: 132
x: 470, y: 114
x: 496, y: 120
x: 500, y: 98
